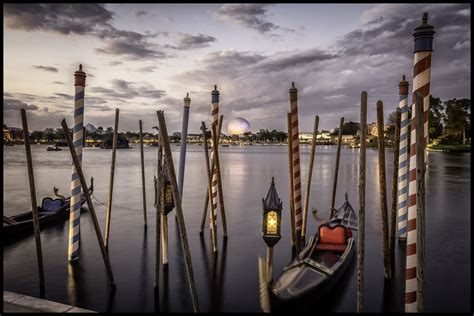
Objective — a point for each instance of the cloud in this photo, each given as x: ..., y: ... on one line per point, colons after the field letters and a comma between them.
x: 371, y: 58
x: 147, y: 69
x: 65, y: 96
x: 82, y: 19
x: 46, y: 68
x: 252, y: 16
x: 66, y: 19
x: 141, y: 13
x: 287, y: 60
x: 125, y: 89
x: 17, y: 105
x: 229, y: 59
x: 188, y: 41
x: 130, y: 50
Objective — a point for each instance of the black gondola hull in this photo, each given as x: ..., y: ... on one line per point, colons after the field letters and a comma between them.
x: 24, y: 221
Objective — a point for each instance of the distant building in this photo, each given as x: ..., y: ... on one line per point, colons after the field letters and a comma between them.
x: 345, y: 139
x: 7, y: 136
x: 372, y: 129
x: 191, y: 138
x: 308, y: 137
x: 15, y: 133
x: 305, y: 137
x: 90, y: 128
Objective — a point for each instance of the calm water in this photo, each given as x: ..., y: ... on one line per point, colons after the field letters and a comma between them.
x: 230, y: 281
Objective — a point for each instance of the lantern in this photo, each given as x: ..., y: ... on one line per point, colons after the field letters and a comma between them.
x: 168, y: 201
x: 272, y: 207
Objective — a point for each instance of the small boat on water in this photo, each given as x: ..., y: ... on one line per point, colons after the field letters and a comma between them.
x: 53, y: 148
x: 322, y: 262
x: 50, y: 210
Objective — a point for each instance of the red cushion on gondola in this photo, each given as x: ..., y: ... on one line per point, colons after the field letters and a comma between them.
x: 349, y: 232
x: 336, y: 235
x: 331, y: 247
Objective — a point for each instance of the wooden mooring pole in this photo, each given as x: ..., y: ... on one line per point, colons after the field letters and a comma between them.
x: 290, y: 182
x: 111, y: 183
x: 383, y: 191
x: 269, y: 264
x: 393, y: 222
x: 164, y: 239
x: 179, y: 211
x: 142, y: 160
x: 308, y: 178
x: 159, y: 211
x: 338, y: 155
x: 209, y: 182
x: 206, y: 202
x: 262, y: 277
x: 361, y: 230
x: 34, y: 205
x: 420, y: 203
x: 215, y: 147
x: 85, y: 191
x: 158, y: 233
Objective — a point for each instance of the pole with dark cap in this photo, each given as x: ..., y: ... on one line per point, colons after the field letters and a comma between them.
x: 75, y: 209
x: 422, y: 68
x: 184, y: 136
x: 423, y: 48
x: 383, y: 191
x: 215, y: 120
x: 296, y: 160
x: 402, y: 212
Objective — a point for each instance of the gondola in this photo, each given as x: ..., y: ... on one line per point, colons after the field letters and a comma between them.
x: 50, y: 211
x: 321, y: 264
x: 53, y: 148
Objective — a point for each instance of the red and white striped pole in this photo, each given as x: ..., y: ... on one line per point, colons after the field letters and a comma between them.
x: 215, y: 120
x: 421, y: 84
x: 296, y: 159
x: 403, y: 161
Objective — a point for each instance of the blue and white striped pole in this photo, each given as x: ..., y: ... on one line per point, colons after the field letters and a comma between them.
x: 184, y: 135
x: 75, y: 211
x: 402, y: 210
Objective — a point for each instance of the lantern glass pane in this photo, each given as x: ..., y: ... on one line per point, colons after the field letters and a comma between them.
x: 272, y: 223
x: 168, y: 194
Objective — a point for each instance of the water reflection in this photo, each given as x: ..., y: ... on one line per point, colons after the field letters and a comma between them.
x: 215, y: 274
x: 143, y: 280
x: 235, y: 289
x: 74, y: 272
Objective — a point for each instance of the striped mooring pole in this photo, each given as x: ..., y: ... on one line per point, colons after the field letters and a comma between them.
x: 421, y: 84
x: 296, y: 159
x: 402, y: 210
x: 215, y: 120
x: 75, y: 208
x: 184, y: 135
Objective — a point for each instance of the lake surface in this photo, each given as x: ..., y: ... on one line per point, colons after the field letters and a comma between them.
x: 229, y: 282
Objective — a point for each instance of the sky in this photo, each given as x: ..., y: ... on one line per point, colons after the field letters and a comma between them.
x: 141, y: 58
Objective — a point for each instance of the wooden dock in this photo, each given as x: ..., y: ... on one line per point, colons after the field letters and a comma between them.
x: 19, y: 303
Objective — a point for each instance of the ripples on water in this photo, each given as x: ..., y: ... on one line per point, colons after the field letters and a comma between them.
x: 230, y: 281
